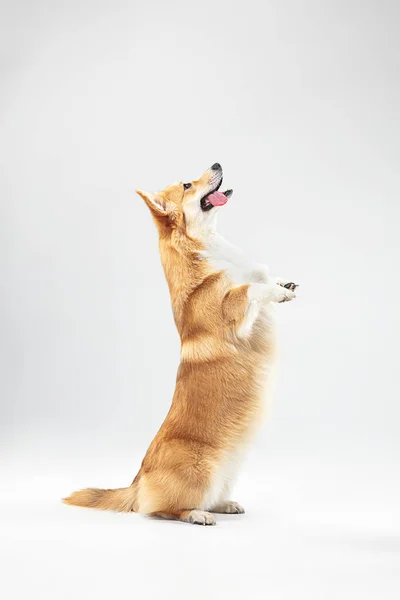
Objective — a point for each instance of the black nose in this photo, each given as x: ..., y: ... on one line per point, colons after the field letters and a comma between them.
x: 216, y: 167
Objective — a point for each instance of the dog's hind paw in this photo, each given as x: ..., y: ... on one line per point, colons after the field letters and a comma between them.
x: 201, y: 517
x: 229, y: 508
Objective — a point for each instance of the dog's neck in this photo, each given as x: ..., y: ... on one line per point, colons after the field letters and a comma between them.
x: 188, y: 261
x: 184, y: 267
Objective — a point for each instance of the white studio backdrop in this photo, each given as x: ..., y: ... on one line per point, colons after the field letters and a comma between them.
x: 299, y: 103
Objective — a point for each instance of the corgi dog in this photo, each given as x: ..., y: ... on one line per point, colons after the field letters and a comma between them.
x: 222, y: 305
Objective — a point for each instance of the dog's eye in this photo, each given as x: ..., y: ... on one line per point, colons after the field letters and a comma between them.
x: 186, y: 186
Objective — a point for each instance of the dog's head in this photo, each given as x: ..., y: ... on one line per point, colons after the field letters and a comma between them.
x: 192, y: 206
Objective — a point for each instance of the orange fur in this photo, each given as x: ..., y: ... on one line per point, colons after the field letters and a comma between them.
x: 217, y: 399
x: 121, y: 500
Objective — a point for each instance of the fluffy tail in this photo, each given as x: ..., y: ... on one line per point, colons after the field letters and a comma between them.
x: 121, y: 500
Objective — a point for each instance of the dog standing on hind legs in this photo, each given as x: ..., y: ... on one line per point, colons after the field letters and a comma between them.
x: 223, y: 310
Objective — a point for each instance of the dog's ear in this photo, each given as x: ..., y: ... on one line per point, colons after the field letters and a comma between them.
x: 155, y: 202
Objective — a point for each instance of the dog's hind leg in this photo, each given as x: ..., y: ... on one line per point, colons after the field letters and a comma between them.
x: 196, y: 517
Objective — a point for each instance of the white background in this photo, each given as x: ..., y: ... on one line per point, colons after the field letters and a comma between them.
x: 299, y: 101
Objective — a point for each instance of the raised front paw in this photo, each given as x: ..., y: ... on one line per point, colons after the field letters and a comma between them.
x: 282, y: 293
x: 289, y: 285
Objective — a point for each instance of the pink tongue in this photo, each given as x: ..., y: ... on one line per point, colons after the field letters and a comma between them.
x: 217, y: 198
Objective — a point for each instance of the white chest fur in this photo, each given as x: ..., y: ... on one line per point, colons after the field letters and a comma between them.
x: 224, y: 256
x: 223, y: 478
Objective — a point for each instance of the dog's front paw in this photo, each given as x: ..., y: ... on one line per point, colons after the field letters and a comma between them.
x: 283, y: 294
x: 289, y: 285
x: 286, y: 296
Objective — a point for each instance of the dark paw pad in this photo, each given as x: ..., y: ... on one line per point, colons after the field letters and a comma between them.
x: 290, y: 286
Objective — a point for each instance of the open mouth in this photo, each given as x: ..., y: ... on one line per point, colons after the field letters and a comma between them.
x: 215, y: 198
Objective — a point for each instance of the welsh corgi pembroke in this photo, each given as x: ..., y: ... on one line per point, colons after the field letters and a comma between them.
x: 222, y: 306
